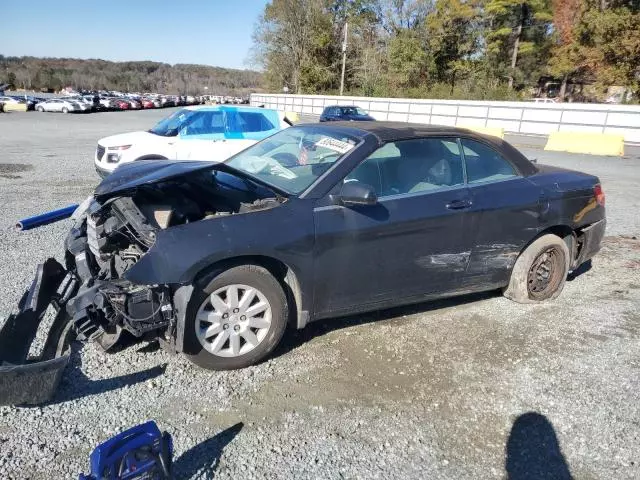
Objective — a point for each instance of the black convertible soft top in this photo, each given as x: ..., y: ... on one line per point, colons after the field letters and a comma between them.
x: 387, y: 132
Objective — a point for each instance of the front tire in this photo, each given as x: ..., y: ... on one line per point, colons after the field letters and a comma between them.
x: 41, y: 109
x: 236, y: 320
x: 540, y: 271
x: 65, y: 110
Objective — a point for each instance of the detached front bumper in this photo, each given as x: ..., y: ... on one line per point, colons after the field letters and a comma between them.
x: 26, y: 380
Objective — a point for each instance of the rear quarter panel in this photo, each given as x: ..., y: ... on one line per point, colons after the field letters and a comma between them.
x: 567, y: 197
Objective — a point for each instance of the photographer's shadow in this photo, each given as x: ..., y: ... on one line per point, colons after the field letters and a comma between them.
x: 533, y: 451
x: 202, y: 460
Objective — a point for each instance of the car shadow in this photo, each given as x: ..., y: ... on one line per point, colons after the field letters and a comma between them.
x: 203, y: 459
x: 75, y: 384
x: 533, y: 451
x: 584, y: 268
x: 294, y: 338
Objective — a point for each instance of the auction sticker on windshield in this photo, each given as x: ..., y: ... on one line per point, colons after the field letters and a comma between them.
x: 335, y: 145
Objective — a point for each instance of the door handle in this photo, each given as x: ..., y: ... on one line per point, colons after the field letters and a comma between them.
x: 459, y: 204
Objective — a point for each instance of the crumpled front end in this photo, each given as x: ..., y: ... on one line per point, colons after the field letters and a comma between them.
x: 92, y: 297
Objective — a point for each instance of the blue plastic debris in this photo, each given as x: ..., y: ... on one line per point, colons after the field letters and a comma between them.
x: 140, y: 453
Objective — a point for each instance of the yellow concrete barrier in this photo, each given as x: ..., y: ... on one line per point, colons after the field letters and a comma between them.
x: 586, y: 142
x: 493, y: 131
x: 15, y: 107
x: 292, y: 116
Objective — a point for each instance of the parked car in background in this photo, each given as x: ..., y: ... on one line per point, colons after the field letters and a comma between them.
x: 107, y: 102
x: 122, y: 104
x: 336, y: 113
x: 29, y: 101
x: 167, y: 101
x: 94, y: 101
x: 12, y: 104
x: 147, y: 103
x: 62, y: 105
x: 85, y: 101
x: 192, y: 133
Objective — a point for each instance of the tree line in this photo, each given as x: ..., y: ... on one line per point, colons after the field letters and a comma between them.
x: 53, y: 74
x: 473, y: 49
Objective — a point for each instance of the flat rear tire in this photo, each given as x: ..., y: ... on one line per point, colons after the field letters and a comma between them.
x: 540, y: 272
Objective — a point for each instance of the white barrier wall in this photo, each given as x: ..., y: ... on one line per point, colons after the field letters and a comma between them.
x: 513, y: 117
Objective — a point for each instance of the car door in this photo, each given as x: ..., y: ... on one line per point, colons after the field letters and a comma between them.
x: 415, y: 241
x: 508, y: 208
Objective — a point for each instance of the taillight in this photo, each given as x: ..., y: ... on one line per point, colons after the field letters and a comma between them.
x: 599, y: 194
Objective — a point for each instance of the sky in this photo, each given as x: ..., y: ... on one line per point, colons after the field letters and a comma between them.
x: 208, y: 32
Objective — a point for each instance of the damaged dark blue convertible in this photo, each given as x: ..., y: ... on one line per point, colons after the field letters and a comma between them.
x: 317, y: 221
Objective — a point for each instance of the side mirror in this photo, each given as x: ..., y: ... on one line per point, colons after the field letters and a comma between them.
x: 357, y: 193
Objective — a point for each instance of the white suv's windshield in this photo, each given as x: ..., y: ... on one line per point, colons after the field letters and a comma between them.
x: 170, y: 126
x: 294, y: 158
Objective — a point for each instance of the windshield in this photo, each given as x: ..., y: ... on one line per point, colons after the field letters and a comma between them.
x: 295, y: 157
x: 352, y: 111
x: 170, y: 126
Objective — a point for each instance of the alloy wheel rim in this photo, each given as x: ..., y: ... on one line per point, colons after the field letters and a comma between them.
x: 545, y: 273
x: 233, y: 320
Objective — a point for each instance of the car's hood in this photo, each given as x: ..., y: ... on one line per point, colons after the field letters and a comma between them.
x: 129, y: 176
x: 130, y: 139
x: 135, y: 174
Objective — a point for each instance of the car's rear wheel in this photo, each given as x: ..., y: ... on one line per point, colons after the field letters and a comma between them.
x: 540, y: 271
x: 236, y: 320
x: 65, y: 110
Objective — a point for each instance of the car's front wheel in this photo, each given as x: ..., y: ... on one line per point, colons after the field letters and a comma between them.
x: 236, y: 320
x: 540, y: 271
x: 40, y: 109
x: 65, y: 110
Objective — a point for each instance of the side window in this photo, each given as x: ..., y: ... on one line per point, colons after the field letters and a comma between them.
x: 411, y: 166
x: 484, y: 164
x: 205, y: 123
x: 248, y: 122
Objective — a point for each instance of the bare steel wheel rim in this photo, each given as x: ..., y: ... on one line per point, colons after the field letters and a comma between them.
x: 233, y: 320
x: 545, y: 273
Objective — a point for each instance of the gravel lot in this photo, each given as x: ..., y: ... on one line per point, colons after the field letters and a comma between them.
x: 469, y: 388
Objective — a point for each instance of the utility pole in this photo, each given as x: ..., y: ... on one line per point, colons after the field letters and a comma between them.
x: 344, y: 57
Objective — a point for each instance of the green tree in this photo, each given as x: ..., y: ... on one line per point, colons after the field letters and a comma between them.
x: 453, y: 37
x: 407, y: 59
x: 516, y: 28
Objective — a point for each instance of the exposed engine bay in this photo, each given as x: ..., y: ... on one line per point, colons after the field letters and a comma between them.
x: 112, y: 237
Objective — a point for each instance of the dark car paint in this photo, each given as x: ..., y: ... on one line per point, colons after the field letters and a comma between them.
x: 348, y: 259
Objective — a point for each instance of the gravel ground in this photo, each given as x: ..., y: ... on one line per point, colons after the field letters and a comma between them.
x: 474, y: 387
